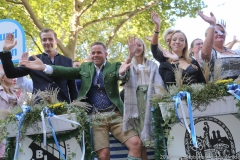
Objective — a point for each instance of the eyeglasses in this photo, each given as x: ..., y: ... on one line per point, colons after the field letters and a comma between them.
x: 198, y: 44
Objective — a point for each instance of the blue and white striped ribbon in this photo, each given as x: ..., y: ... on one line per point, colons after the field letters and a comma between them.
x: 234, y: 89
x: 177, y: 99
x: 20, y: 118
x: 50, y: 115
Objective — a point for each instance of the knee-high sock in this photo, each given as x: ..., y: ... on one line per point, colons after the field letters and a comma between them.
x: 133, y: 158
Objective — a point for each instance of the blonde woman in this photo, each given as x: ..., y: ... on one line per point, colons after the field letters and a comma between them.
x: 191, y: 70
x: 160, y: 54
x: 8, y: 99
x: 213, y: 49
x: 144, y: 81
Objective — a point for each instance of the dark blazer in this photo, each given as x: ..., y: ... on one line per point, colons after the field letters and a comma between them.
x: 86, y: 73
x: 41, y: 81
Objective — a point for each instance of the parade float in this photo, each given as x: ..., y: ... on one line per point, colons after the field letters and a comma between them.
x: 46, y: 130
x: 198, y: 121
x: 52, y: 130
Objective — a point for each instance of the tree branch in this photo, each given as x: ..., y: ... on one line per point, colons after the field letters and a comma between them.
x: 136, y: 11
x: 132, y: 14
x: 34, y: 41
x: 13, y: 2
x: 65, y: 50
x: 32, y: 14
x: 87, y: 7
x: 116, y: 29
x: 78, y: 4
x: 39, y: 24
x: 104, y: 19
x: 73, y: 37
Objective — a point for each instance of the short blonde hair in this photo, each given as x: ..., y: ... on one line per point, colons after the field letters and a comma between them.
x: 167, y: 32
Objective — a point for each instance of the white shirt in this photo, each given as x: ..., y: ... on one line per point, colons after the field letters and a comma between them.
x: 25, y: 83
x: 99, y: 69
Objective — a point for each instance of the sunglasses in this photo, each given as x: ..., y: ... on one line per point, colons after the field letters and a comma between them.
x: 198, y: 44
x: 219, y: 32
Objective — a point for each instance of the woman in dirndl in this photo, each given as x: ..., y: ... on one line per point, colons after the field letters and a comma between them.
x: 144, y: 81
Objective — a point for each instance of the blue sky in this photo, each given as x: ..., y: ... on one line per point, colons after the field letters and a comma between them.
x: 222, y: 9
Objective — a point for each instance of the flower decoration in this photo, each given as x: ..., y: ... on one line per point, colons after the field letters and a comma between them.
x: 56, y: 105
x: 201, y: 96
x: 58, y: 108
x: 224, y: 81
x: 45, y: 99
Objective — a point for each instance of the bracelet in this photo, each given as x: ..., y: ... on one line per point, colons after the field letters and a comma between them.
x: 6, y: 51
x: 212, y: 26
x: 156, y: 32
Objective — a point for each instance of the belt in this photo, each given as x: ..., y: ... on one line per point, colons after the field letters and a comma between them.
x: 111, y: 108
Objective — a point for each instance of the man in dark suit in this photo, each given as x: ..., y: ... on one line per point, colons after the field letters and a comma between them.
x: 41, y: 81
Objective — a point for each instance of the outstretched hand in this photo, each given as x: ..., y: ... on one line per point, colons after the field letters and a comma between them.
x: 9, y: 42
x: 211, y: 20
x: 124, y: 67
x: 172, y: 56
x: 235, y: 39
x: 24, y: 57
x: 132, y: 48
x: 155, y: 18
x: 148, y: 38
x: 37, y: 64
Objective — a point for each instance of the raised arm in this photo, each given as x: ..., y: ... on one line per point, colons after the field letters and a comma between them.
x: 208, y: 43
x: 231, y: 44
x: 132, y: 47
x: 156, y: 48
x: 9, y: 43
x: 6, y: 57
x: 157, y: 21
x: 160, y: 54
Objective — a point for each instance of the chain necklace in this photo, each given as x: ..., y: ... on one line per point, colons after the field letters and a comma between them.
x: 225, y: 50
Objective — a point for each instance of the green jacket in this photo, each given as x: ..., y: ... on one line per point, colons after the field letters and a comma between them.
x: 86, y: 73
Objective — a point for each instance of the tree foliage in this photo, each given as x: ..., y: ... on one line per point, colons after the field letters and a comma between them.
x: 79, y: 23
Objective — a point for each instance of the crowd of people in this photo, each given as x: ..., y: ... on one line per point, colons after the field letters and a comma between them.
x: 130, y: 119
